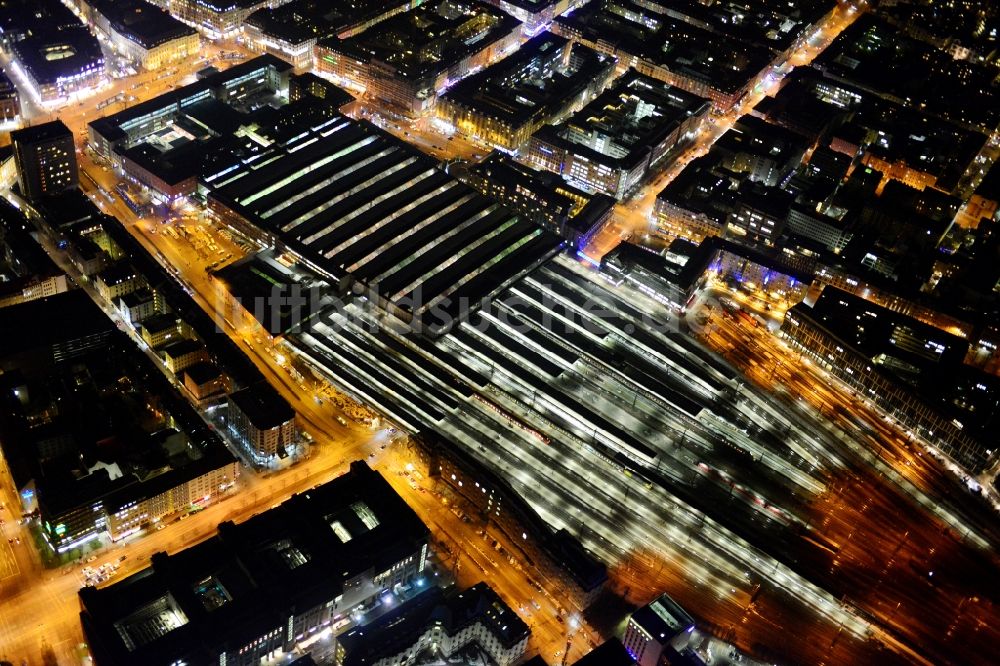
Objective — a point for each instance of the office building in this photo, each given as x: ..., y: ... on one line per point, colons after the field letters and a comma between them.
x: 650, y: 273
x: 262, y: 422
x: 452, y: 624
x: 45, y: 157
x: 696, y: 204
x: 832, y: 233
x: 446, y: 40
x: 277, y: 582
x: 762, y: 152
x: 615, y: 141
x: 536, y: 15
x: 656, y: 629
x: 504, y: 104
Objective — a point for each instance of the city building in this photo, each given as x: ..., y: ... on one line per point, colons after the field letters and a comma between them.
x: 180, y: 354
x: 917, y: 149
x: 759, y: 214
x: 268, y: 297
x: 761, y: 271
x: 504, y: 104
x: 828, y: 231
x: 136, y: 306
x: 26, y: 270
x: 90, y: 330
x: 696, y: 204
x: 96, y: 439
x: 205, y: 381
x: 143, y: 33
x: 118, y: 280
x: 446, y: 41
x: 656, y: 629
x: 263, y: 76
x: 280, y: 581
x: 781, y: 28
x: 650, y: 273
x: 609, y: 653
x: 160, y: 329
x: 536, y: 15
x: 542, y: 196
x: 660, y: 44
x: 10, y: 101
x: 449, y: 624
x: 45, y: 157
x: 871, y: 52
x: 984, y: 204
x: 52, y: 52
x: 168, y: 143
x: 557, y: 555
x: 765, y: 153
x: 262, y: 422
x: 290, y: 31
x: 306, y: 84
x: 216, y: 19
x: 615, y: 141
x: 913, y: 371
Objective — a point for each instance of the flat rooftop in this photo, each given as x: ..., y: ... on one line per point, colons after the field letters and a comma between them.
x: 50, y: 131
x: 274, y: 295
x: 774, y: 25
x: 536, y: 81
x: 725, y: 64
x: 609, y: 653
x: 113, y: 127
x: 96, y: 402
x: 701, y: 188
x: 56, y: 55
x: 663, y: 618
x: 871, y: 53
x: 27, y: 258
x: 248, y: 578
x: 141, y: 22
x: 42, y: 322
x: 355, y: 202
x: 263, y: 406
x: 430, y: 38
x: 301, y: 20
x: 399, y: 629
x: 921, y: 357
x: 549, y: 189
x: 924, y: 142
x: 621, y: 124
